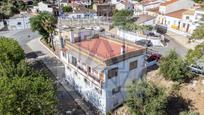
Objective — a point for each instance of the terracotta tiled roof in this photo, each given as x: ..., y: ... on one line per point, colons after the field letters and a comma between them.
x: 105, y: 48
x: 156, y: 10
x: 168, y: 2
x: 177, y: 14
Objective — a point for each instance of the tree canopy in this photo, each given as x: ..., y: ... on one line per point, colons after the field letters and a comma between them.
x: 67, y: 9
x: 45, y: 24
x: 196, y: 54
x: 23, y: 91
x: 10, y: 50
x: 174, y: 68
x: 198, y: 32
x: 146, y: 99
x: 120, y: 18
x: 198, y: 1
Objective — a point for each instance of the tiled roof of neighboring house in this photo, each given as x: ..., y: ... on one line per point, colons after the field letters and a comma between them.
x: 82, y: 9
x: 189, y: 12
x: 143, y: 2
x: 177, y: 14
x: 144, y: 18
x: 200, y: 9
x: 156, y: 10
x: 168, y: 2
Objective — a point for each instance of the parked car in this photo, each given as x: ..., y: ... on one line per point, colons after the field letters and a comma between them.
x: 197, y: 69
x: 152, y: 59
x: 144, y: 42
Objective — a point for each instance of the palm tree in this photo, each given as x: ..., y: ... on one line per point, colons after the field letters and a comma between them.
x: 45, y: 24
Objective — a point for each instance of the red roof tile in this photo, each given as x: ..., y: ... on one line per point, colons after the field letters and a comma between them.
x: 104, y: 48
x: 177, y: 14
x: 168, y: 2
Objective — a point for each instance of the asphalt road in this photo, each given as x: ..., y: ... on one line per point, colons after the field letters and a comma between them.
x: 171, y: 44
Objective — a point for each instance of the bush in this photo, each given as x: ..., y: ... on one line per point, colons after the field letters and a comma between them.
x: 11, y: 51
x: 67, y: 9
x: 172, y: 67
x: 146, y: 99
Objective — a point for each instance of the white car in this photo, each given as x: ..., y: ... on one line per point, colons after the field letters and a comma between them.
x: 197, y: 69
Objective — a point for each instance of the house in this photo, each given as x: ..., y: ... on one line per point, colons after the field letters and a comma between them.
x: 145, y: 19
x: 175, y: 5
x: 183, y: 21
x: 100, y: 67
x: 41, y: 7
x: 79, y: 12
x: 64, y: 2
x: 123, y: 4
x: 104, y: 9
x: 145, y: 5
x: 19, y: 21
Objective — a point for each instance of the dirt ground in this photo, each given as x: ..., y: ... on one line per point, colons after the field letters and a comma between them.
x: 193, y: 91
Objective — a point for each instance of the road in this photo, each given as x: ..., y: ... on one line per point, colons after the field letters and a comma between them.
x: 171, y: 44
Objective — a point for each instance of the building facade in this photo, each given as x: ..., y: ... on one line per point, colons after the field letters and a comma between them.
x: 100, y: 67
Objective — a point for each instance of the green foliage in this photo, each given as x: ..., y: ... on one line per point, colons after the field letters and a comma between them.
x: 67, y: 9
x: 172, y: 67
x: 120, y: 18
x: 138, y: 0
x: 23, y: 91
x: 146, y: 99
x: 198, y: 32
x: 45, y: 24
x: 26, y: 95
x: 198, y: 1
x: 188, y: 113
x: 195, y: 54
x: 10, y: 50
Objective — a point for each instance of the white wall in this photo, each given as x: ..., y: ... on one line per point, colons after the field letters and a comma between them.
x: 180, y: 4
x: 18, y: 23
x: 124, y: 78
x: 79, y: 15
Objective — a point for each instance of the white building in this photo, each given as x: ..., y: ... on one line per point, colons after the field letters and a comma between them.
x: 19, y: 21
x: 183, y: 21
x: 100, y: 67
x: 123, y: 4
x: 41, y: 7
x: 175, y: 5
x: 140, y: 8
x: 80, y: 12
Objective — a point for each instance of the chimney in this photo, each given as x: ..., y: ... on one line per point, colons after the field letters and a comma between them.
x: 71, y: 36
x: 122, y: 49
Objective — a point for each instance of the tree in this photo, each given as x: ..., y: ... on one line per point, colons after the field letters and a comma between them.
x: 10, y: 50
x: 27, y: 95
x: 198, y: 32
x: 198, y: 1
x: 45, y: 24
x: 196, y: 54
x: 172, y: 67
x: 120, y: 18
x: 67, y: 9
x: 146, y: 99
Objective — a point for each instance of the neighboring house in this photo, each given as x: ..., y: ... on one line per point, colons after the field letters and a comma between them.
x: 100, y: 67
x: 80, y: 12
x: 124, y: 4
x: 41, y: 7
x: 145, y: 19
x: 183, y: 21
x: 82, y: 2
x: 175, y: 5
x: 153, y: 11
x: 104, y: 9
x: 64, y: 2
x: 19, y: 21
x: 140, y: 8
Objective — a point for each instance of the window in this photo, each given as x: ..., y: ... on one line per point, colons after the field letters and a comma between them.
x: 187, y: 17
x: 133, y: 65
x: 64, y: 54
x: 89, y: 69
x: 74, y: 61
x: 116, y: 90
x: 184, y: 25
x: 19, y: 23
x: 86, y: 81
x: 113, y: 72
